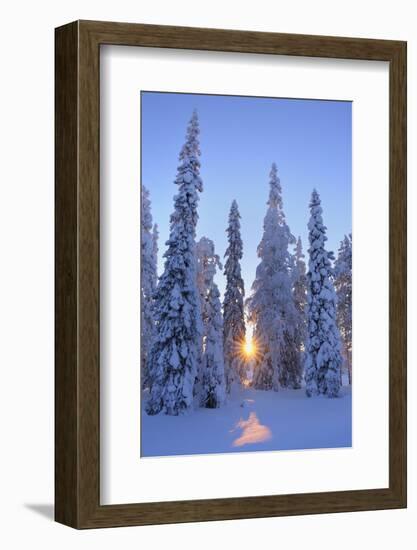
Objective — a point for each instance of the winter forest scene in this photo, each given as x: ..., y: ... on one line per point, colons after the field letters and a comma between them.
x: 246, y: 274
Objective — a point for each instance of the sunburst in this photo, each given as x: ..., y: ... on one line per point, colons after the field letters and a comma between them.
x: 247, y: 350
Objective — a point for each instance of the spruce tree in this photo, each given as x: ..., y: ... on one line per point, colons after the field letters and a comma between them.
x: 148, y: 284
x: 324, y: 360
x: 155, y: 238
x: 300, y: 300
x: 177, y: 348
x: 211, y: 378
x: 234, y: 329
x: 343, y: 286
x: 271, y: 305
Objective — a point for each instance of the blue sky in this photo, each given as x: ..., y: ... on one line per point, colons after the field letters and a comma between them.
x: 310, y: 141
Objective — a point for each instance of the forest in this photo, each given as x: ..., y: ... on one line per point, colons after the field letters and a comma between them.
x: 280, y: 346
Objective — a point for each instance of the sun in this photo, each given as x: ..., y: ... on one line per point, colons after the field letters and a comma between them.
x: 249, y: 348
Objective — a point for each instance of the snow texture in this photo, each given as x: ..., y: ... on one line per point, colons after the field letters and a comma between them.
x: 234, y: 329
x: 176, y: 351
x: 149, y: 250
x: 299, y: 277
x: 211, y: 380
x: 324, y: 360
x: 343, y: 286
x: 271, y: 306
x: 267, y: 421
x: 192, y: 358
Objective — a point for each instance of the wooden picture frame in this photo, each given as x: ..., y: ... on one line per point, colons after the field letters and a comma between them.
x: 77, y: 360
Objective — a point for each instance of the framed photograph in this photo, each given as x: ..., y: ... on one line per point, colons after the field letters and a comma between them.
x: 230, y: 274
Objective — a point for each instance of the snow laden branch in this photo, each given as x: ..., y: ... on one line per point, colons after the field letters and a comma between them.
x: 324, y: 360
x: 233, y: 304
x: 211, y: 380
x: 299, y: 277
x: 343, y: 286
x: 177, y: 347
x: 149, y: 251
x: 271, y: 306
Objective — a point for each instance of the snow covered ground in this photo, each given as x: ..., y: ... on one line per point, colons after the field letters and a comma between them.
x: 253, y: 420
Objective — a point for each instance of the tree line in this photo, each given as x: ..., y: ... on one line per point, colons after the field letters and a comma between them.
x: 192, y: 345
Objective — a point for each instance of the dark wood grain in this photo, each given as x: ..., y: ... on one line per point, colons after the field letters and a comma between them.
x: 78, y: 286
x: 398, y: 274
x: 66, y: 237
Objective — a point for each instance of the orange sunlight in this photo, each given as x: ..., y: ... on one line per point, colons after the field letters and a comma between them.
x: 249, y: 347
x: 252, y: 431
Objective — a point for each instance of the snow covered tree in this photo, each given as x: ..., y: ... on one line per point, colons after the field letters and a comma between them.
x: 148, y: 284
x: 155, y: 238
x: 176, y: 352
x: 211, y: 382
x: 233, y: 304
x: 324, y: 360
x: 300, y: 298
x: 343, y: 286
x: 271, y: 306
